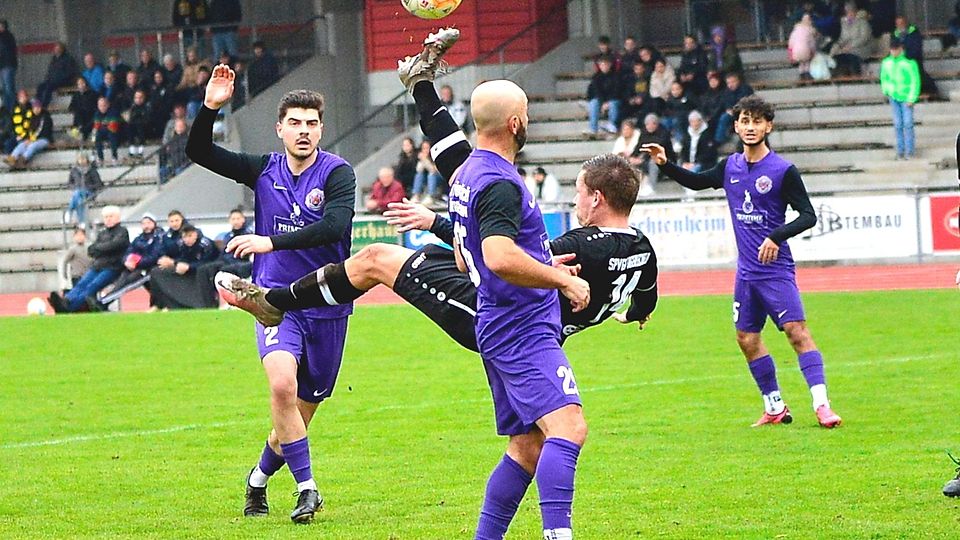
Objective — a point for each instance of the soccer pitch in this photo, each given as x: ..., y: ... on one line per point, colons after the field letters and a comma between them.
x: 145, y: 425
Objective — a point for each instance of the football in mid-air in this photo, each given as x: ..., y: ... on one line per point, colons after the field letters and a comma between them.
x: 430, y: 9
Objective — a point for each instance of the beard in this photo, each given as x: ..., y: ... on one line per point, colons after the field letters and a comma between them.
x: 520, y: 138
x: 760, y: 141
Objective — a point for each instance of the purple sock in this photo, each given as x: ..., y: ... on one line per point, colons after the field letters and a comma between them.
x: 505, y: 489
x: 811, y: 365
x: 270, y: 462
x: 297, y: 455
x: 765, y: 373
x: 555, y: 472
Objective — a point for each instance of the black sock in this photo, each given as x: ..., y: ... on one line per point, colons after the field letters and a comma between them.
x: 426, y: 98
x: 308, y: 291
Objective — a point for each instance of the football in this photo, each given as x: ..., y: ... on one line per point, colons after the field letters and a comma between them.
x: 36, y: 306
x: 430, y: 9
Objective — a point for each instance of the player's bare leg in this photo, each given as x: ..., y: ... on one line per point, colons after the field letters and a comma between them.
x: 775, y: 411
x: 376, y: 264
x: 811, y: 365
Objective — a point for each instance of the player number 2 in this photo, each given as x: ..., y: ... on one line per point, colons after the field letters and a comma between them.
x: 270, y: 335
x: 569, y: 383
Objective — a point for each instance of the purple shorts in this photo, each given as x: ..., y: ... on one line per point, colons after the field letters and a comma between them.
x: 755, y: 300
x: 317, y: 344
x: 528, y: 386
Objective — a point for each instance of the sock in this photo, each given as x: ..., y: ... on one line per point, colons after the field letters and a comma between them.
x: 270, y: 463
x: 811, y: 365
x: 328, y: 286
x: 297, y: 455
x: 765, y: 374
x: 426, y: 98
x: 555, y: 473
x: 505, y: 488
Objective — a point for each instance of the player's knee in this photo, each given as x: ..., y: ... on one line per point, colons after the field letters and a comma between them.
x: 748, y: 342
x: 799, y: 336
x: 578, y: 430
x: 283, y: 390
x: 369, y: 255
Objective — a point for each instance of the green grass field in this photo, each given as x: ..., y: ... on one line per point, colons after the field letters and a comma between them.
x: 134, y: 426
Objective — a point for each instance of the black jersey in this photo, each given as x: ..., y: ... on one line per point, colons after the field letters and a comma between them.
x: 620, y: 266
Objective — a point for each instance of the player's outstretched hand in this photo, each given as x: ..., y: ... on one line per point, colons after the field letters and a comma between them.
x: 219, y: 87
x: 578, y: 292
x: 768, y: 251
x: 560, y: 261
x: 657, y: 153
x: 622, y: 319
x: 408, y: 216
x: 248, y: 244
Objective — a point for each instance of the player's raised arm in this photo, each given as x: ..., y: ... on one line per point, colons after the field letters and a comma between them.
x: 709, y: 179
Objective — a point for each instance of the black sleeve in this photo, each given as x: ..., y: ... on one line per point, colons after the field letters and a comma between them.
x: 795, y: 194
x: 711, y: 178
x: 498, y: 210
x: 341, y: 194
x: 643, y: 299
x: 568, y: 242
x: 238, y: 166
x: 440, y: 127
x: 443, y: 228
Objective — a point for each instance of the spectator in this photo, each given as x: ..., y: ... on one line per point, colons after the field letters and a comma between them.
x: 457, y: 109
x: 636, y: 87
x: 543, y: 186
x: 93, y: 72
x: 649, y: 56
x: 20, y: 118
x: 652, y: 132
x: 723, y: 55
x: 188, y: 15
x: 603, y: 95
x: 711, y: 101
x: 855, y: 43
x: 385, y: 190
x: 626, y: 143
x: 952, y: 37
x: 138, y: 260
x: 693, y: 61
x: 171, y: 239
x: 224, y: 16
x: 406, y: 167
x: 900, y: 81
x: 263, y: 70
x: 194, y: 96
x: 107, y: 253
x: 147, y: 67
x: 173, y: 156
x: 191, y: 66
x: 107, y: 126
x: 676, y: 110
x: 161, y: 98
x: 139, y: 119
x: 912, y: 41
x: 427, y: 179
x: 660, y: 81
x: 8, y: 64
x: 605, y: 51
x: 85, y: 182
x: 168, y: 129
x: 117, y: 66
x: 83, y: 105
x: 802, y: 45
x: 74, y: 262
x: 130, y: 87
x: 172, y: 70
x: 240, y: 85
x: 8, y: 139
x: 61, y: 71
x: 177, y: 287
x: 882, y: 16
x: 736, y: 90
x: 227, y: 262
x: 630, y: 54
x: 39, y: 136
x: 698, y: 150
x: 111, y: 90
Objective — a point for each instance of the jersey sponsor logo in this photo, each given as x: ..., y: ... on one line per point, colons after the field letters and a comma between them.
x: 314, y: 199
x: 748, y: 216
x: 626, y: 263
x: 285, y: 225
x: 764, y: 184
x: 572, y: 329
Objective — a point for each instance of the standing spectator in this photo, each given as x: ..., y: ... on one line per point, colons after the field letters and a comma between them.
x: 177, y: 288
x: 803, y: 45
x: 161, y: 99
x: 75, y: 261
x: 900, y: 81
x: 736, y: 90
x: 693, y: 60
x: 912, y: 41
x: 93, y: 72
x: 147, y: 67
x: 8, y: 64
x: 117, y: 66
x: 605, y: 51
x: 83, y: 105
x: 107, y: 253
x: 855, y: 43
x: 385, y: 190
x: 636, y: 97
x: 85, y: 182
x: 630, y: 54
x: 263, y: 70
x: 456, y: 108
x: 882, y: 16
x: 111, y: 90
x: 139, y: 119
x: 37, y: 138
x: 543, y: 186
x: 224, y: 16
x: 138, y: 260
x: 652, y: 132
x: 676, y: 109
x: 194, y: 96
x: 952, y: 37
x: 406, y: 167
x: 173, y: 156
x: 188, y: 15
x: 626, y: 143
x: 660, y: 81
x: 427, y: 180
x: 191, y: 66
x: 61, y: 71
x: 603, y: 95
x: 172, y: 70
x: 723, y: 55
x: 698, y: 150
x: 107, y: 128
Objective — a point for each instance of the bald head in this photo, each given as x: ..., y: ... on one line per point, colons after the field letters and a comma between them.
x: 494, y: 103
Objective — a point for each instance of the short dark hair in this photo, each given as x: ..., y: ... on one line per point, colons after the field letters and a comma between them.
x: 188, y: 228
x: 754, y: 106
x: 203, y: 69
x: 612, y: 175
x: 300, y: 99
x: 175, y: 213
x: 259, y: 44
x: 237, y: 210
x: 604, y: 39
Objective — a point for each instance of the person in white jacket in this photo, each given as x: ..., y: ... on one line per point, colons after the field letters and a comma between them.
x: 543, y: 186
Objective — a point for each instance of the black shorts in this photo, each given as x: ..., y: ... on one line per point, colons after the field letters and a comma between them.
x: 431, y: 282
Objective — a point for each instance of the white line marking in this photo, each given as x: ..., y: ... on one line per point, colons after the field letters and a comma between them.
x: 125, y: 434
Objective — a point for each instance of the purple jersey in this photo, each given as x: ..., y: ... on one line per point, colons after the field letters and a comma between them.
x: 282, y: 206
x: 756, y: 208
x: 504, y: 311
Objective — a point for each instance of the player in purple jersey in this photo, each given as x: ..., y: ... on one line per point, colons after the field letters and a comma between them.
x: 759, y: 185
x: 304, y: 206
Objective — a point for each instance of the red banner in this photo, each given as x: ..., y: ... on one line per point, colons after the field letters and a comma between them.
x: 945, y: 221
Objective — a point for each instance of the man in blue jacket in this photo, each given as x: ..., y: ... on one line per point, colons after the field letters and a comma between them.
x: 140, y: 258
x: 177, y: 288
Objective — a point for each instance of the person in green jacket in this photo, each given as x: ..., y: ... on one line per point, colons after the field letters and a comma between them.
x: 900, y: 81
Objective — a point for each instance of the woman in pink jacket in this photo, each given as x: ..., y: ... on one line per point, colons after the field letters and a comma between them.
x: 802, y: 45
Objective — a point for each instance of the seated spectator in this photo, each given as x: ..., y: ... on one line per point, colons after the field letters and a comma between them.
x: 855, y: 43
x: 604, y: 50
x: 736, y: 90
x: 698, y: 150
x: 39, y: 136
x: 166, y: 130
x: 652, y: 132
x: 676, y: 109
x: 20, y: 118
x: 194, y: 96
x: 543, y: 186
x: 428, y: 179
x: 636, y: 96
x: 723, y: 55
x: 604, y: 94
x: 172, y: 70
x: 176, y: 287
x: 952, y: 37
x: 61, y: 71
x: 711, y: 100
x: 630, y: 54
x: 386, y: 189
x: 8, y: 139
x: 93, y: 72
x: 263, y: 70
x: 161, y: 98
x: 138, y: 260
x: 139, y: 128
x: 649, y: 56
x: 130, y: 86
x: 228, y: 261
x: 457, y: 109
x: 107, y: 252
x: 83, y: 105
x: 146, y: 68
x: 173, y: 155
x: 74, y: 262
x: 694, y: 63
x: 85, y: 182
x: 406, y: 167
x: 802, y: 45
x: 117, y: 66
x: 107, y: 126
x: 626, y: 143
x: 111, y: 90
x: 912, y: 41
x: 191, y: 65
x: 171, y: 239
x: 660, y: 81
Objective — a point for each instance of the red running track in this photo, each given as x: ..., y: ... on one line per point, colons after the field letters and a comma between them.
x: 672, y: 283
